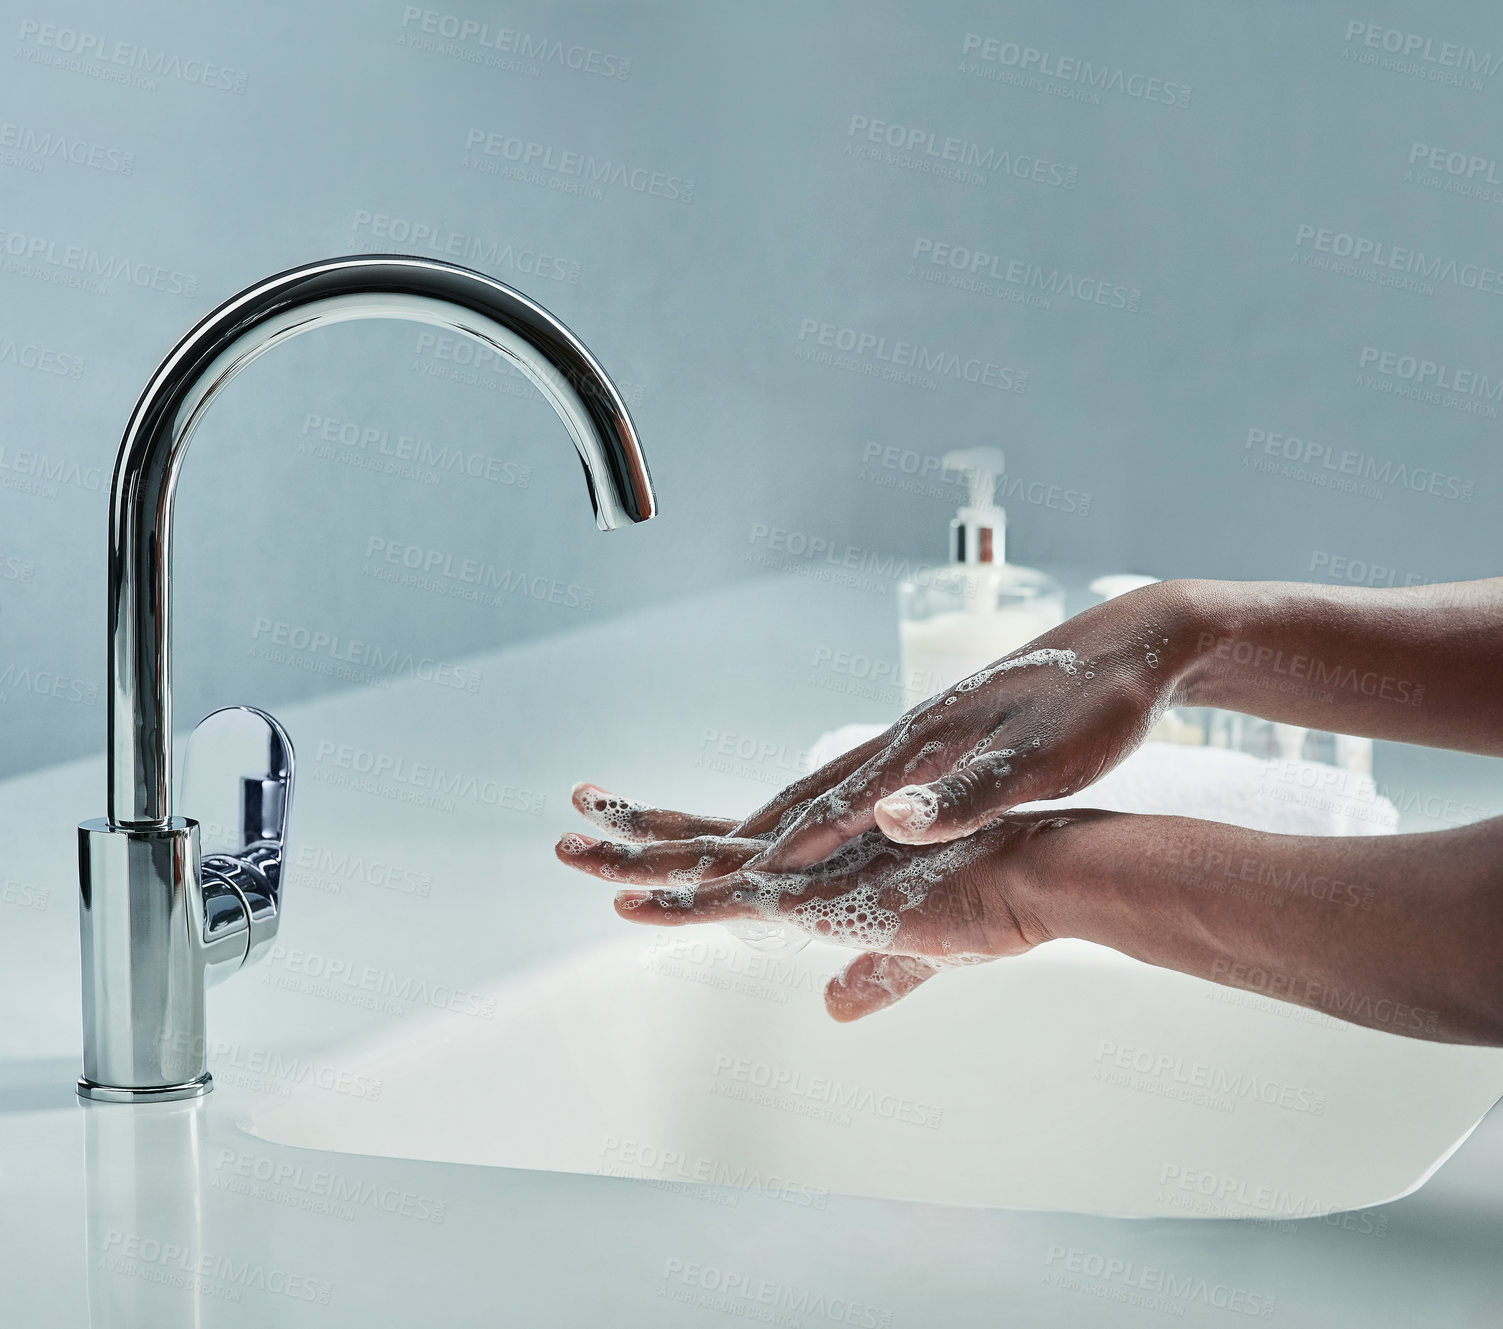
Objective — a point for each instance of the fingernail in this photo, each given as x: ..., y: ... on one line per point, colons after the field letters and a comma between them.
x: 631, y: 899
x: 574, y: 844
x: 913, y: 808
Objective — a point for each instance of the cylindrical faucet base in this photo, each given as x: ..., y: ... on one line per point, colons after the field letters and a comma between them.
x: 143, y: 978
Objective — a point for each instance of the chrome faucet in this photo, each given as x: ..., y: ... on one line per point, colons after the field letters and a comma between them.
x: 160, y: 920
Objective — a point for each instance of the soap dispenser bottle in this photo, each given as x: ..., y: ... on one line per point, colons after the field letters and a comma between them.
x: 957, y: 619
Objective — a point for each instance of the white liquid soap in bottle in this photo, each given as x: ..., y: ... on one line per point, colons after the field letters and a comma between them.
x: 958, y: 619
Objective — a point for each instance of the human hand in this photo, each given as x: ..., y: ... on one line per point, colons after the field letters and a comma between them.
x: 910, y: 909
x: 1042, y: 723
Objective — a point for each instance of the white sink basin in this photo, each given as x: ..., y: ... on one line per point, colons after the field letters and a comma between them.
x: 1071, y: 1078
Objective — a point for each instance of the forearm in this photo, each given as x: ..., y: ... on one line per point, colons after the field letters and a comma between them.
x: 1415, y: 664
x: 1401, y: 933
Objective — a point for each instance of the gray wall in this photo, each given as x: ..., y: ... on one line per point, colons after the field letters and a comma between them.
x: 1199, y: 219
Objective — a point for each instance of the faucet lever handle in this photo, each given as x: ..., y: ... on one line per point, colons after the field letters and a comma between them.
x: 237, y: 783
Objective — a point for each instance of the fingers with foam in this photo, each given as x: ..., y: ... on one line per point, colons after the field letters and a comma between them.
x: 773, y: 815
x: 873, y: 981
x: 631, y: 820
x: 673, y: 864
x: 675, y: 906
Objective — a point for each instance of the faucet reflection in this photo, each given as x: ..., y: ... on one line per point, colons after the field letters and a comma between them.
x: 145, y: 1219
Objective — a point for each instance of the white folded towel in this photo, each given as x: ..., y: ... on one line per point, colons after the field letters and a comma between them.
x: 1214, y: 784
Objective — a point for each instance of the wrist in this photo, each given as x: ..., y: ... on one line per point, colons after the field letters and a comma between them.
x: 1204, y: 618
x: 1053, y: 873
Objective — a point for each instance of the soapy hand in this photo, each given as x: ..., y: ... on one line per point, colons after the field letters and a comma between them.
x: 945, y: 874
x: 1042, y: 723
x: 911, y: 910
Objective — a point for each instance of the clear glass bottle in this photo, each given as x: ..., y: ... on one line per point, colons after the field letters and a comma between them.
x: 960, y: 618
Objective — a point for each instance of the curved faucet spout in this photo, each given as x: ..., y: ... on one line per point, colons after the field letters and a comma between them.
x: 156, y: 440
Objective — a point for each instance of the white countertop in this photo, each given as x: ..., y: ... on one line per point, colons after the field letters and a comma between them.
x: 95, y: 1198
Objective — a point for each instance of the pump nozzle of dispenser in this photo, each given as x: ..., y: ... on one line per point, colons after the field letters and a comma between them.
x: 978, y: 531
